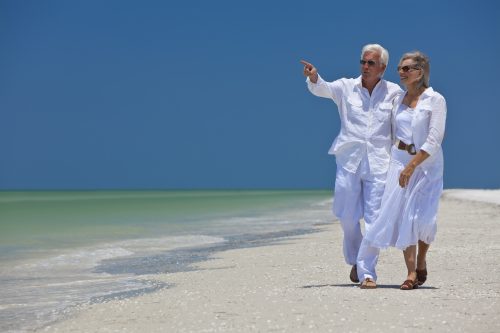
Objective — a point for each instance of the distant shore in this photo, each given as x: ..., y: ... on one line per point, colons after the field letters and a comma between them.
x: 300, y: 283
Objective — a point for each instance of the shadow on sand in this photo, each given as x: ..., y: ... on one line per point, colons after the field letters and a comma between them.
x: 352, y: 285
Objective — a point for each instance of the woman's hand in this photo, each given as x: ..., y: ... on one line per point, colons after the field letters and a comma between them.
x: 404, y: 176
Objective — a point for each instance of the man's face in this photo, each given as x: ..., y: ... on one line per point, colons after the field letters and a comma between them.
x: 371, y: 67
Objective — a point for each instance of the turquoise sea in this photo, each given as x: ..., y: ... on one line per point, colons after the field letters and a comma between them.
x: 60, y: 250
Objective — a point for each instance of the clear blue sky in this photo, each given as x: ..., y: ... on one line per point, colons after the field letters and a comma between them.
x: 210, y: 94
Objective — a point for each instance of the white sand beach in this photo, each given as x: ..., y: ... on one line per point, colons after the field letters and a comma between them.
x: 301, y: 284
x: 492, y: 196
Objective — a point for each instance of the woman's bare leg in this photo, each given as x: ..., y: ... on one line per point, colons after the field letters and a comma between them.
x: 410, y: 255
x: 422, y: 255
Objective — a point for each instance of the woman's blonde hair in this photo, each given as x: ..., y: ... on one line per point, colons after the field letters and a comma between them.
x: 422, y: 62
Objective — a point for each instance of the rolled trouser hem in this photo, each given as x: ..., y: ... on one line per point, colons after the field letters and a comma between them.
x: 367, y: 276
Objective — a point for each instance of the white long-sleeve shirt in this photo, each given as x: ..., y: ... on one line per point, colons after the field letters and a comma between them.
x: 427, y: 127
x: 365, y: 121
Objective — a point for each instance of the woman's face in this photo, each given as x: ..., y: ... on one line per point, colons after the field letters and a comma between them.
x: 409, y: 73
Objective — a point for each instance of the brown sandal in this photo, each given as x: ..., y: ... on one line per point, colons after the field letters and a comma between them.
x: 409, y: 285
x: 421, y: 276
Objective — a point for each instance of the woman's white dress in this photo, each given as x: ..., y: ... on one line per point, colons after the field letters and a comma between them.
x: 408, y: 215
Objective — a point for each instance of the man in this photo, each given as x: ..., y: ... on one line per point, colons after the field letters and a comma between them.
x: 362, y: 150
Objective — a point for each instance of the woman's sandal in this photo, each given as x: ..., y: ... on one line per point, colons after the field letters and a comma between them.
x: 409, y: 285
x: 421, y: 276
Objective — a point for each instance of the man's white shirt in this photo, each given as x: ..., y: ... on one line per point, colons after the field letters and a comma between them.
x: 365, y: 121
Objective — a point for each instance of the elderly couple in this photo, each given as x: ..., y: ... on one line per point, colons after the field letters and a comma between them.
x: 389, y: 161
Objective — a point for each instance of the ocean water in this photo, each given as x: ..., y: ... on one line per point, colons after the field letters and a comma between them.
x: 60, y: 250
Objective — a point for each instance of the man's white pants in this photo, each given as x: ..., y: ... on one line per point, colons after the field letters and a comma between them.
x: 358, y: 195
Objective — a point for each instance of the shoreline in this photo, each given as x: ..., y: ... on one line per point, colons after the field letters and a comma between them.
x: 73, y: 256
x: 300, y: 283
x: 182, y: 259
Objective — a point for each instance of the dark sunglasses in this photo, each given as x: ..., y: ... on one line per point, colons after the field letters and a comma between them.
x: 406, y: 69
x: 369, y: 62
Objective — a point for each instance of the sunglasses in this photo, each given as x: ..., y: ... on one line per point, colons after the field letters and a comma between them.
x: 406, y: 69
x: 369, y: 62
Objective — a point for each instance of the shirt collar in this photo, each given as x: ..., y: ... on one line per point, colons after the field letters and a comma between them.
x: 359, y: 82
x: 428, y: 92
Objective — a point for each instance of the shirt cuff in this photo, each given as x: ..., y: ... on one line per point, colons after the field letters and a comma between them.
x: 309, y: 82
x: 429, y: 148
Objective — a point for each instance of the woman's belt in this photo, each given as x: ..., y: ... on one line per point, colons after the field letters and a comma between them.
x: 409, y: 148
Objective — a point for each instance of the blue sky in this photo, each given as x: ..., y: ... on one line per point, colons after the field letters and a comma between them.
x: 210, y: 94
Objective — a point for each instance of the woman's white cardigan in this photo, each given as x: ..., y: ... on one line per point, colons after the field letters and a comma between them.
x: 428, y: 125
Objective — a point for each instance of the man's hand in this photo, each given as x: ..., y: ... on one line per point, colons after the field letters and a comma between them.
x: 310, y: 71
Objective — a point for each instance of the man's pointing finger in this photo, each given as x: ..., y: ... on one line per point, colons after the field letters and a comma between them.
x: 305, y: 63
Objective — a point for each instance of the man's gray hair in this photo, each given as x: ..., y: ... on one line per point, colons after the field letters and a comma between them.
x: 384, y: 54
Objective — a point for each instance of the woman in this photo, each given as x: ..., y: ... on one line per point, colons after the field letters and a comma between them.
x: 415, y: 178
